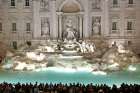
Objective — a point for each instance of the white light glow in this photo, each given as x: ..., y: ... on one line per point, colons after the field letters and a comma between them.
x: 70, y: 57
x: 99, y: 73
x: 37, y: 70
x: 84, y: 69
x: 113, y: 65
x: 59, y: 69
x: 69, y: 51
x: 34, y: 56
x: 30, y: 67
x: 49, y: 49
x: 7, y: 66
x: 132, y: 68
x: 20, y: 66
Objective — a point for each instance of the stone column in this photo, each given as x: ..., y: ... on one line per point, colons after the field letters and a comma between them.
x: 0, y: 2
x: 36, y: 19
x: 54, y: 33
x: 86, y: 20
x: 123, y: 20
x: 81, y: 26
x: 60, y: 26
x: 106, y: 19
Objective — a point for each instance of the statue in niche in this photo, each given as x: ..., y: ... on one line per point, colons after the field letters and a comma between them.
x: 45, y: 29
x: 96, y: 26
x: 70, y: 33
x: 96, y: 4
x: 44, y: 4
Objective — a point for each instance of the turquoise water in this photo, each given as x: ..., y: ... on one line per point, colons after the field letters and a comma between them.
x: 81, y: 77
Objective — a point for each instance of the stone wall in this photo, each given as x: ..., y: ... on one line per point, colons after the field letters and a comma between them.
x: 95, y: 18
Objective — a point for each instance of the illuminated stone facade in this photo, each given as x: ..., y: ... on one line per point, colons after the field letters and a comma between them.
x: 32, y: 21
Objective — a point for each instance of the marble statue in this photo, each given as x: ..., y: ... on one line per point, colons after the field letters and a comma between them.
x: 96, y: 26
x: 83, y: 48
x: 121, y: 49
x: 87, y: 47
x: 45, y: 29
x: 69, y: 33
x: 92, y: 48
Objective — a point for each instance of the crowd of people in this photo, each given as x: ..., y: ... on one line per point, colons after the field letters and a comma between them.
x: 67, y: 88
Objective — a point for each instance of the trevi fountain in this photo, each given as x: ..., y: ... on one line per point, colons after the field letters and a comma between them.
x: 72, y: 60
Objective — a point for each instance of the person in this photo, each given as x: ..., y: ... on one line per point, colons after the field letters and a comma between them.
x: 36, y: 89
x: 101, y: 91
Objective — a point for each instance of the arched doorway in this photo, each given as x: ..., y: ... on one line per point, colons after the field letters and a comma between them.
x: 70, y: 12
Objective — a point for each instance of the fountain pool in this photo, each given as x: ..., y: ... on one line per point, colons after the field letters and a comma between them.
x: 56, y: 75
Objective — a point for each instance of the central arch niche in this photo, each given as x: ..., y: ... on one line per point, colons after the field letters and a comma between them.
x: 70, y: 7
x: 70, y: 10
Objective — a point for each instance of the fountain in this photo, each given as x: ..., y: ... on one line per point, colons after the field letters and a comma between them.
x: 70, y: 50
x: 71, y: 55
x: 35, y: 56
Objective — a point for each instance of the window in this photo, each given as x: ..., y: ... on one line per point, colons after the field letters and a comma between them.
x: 114, y: 26
x: 115, y: 2
x: 129, y: 42
x: 129, y: 25
x: 27, y: 2
x: 14, y: 28
x: 12, y: 2
x: 130, y: 2
x: 29, y: 43
x: 14, y: 44
x: 0, y: 27
x: 28, y: 27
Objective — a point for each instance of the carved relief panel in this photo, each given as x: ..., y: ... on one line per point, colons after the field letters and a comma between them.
x: 44, y: 4
x: 96, y: 5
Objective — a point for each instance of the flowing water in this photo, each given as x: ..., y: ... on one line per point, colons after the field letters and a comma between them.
x: 53, y: 76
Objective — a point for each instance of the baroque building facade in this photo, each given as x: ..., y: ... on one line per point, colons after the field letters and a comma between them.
x: 30, y: 21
